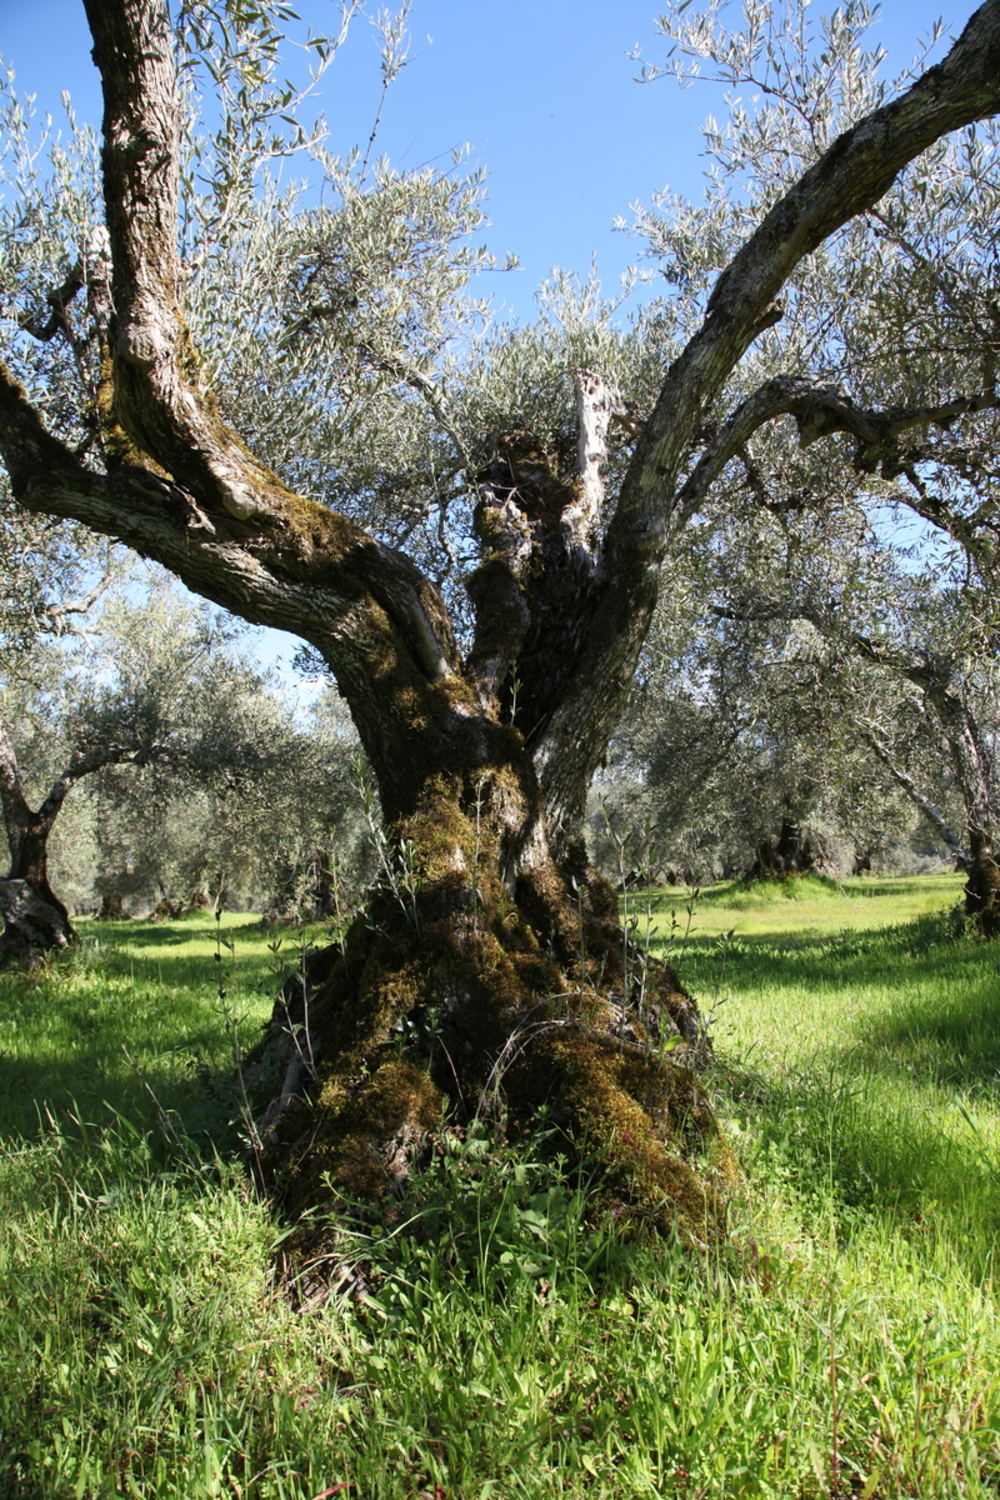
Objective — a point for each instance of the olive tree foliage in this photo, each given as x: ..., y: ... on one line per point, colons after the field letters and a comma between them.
x: 244, y: 801
x: 201, y: 784
x: 483, y: 721
x: 889, y: 332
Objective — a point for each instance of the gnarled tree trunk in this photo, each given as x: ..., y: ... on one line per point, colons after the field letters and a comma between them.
x: 487, y: 978
x: 34, y: 918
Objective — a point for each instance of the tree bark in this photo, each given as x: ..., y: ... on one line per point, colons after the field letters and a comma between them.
x: 35, y: 920
x: 491, y: 965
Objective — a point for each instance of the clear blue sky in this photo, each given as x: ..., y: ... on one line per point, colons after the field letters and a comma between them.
x: 542, y: 90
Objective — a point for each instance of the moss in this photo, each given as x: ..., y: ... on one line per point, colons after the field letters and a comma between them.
x: 442, y: 838
x: 632, y: 1114
x: 364, y: 1137
x: 503, y: 1023
x: 118, y: 446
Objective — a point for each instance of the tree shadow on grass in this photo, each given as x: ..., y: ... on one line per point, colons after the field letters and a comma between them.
x: 86, y: 1038
x: 183, y: 1096
x: 882, y: 1120
x: 952, y: 1040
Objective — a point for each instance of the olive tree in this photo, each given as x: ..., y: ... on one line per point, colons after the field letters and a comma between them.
x: 745, y: 752
x: 910, y: 621
x: 53, y: 579
x: 251, y: 804
x: 483, y: 726
x: 159, y: 710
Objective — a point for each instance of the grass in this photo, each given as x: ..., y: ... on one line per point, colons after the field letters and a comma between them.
x: 496, y: 1344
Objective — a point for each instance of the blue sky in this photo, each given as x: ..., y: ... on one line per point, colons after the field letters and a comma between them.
x: 542, y: 90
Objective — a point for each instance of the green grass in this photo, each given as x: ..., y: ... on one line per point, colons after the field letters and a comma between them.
x: 845, y: 1342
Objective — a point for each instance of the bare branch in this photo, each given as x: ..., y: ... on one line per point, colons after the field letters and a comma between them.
x: 56, y: 301
x: 933, y: 814
x: 819, y: 411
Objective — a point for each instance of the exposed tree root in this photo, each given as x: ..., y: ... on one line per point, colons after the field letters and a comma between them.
x: 417, y: 1027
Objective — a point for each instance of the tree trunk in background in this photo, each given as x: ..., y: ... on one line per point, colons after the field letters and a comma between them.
x: 982, y: 886
x: 35, y: 920
x: 975, y: 773
x: 791, y: 853
x: 32, y: 924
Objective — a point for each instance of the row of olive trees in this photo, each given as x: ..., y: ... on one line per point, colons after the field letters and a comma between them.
x: 191, y: 781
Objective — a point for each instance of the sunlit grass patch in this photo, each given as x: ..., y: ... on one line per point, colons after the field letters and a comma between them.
x: 496, y: 1341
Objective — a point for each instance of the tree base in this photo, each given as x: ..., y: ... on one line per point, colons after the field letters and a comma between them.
x: 401, y: 1035
x: 982, y: 895
x: 32, y: 926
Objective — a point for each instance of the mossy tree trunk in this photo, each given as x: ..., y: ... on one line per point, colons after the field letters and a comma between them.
x: 486, y: 979
x: 34, y: 918
x: 491, y: 964
x: 490, y: 972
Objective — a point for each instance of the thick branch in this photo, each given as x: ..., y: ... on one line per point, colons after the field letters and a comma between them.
x: 853, y: 174
x: 16, y: 811
x: 182, y: 488
x: 84, y: 763
x: 856, y: 171
x: 820, y: 410
x: 933, y: 815
x: 929, y: 672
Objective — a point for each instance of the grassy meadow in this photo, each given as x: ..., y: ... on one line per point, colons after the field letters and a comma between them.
x: 844, y: 1342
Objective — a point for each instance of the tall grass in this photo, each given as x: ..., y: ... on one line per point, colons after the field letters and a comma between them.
x: 495, y: 1342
